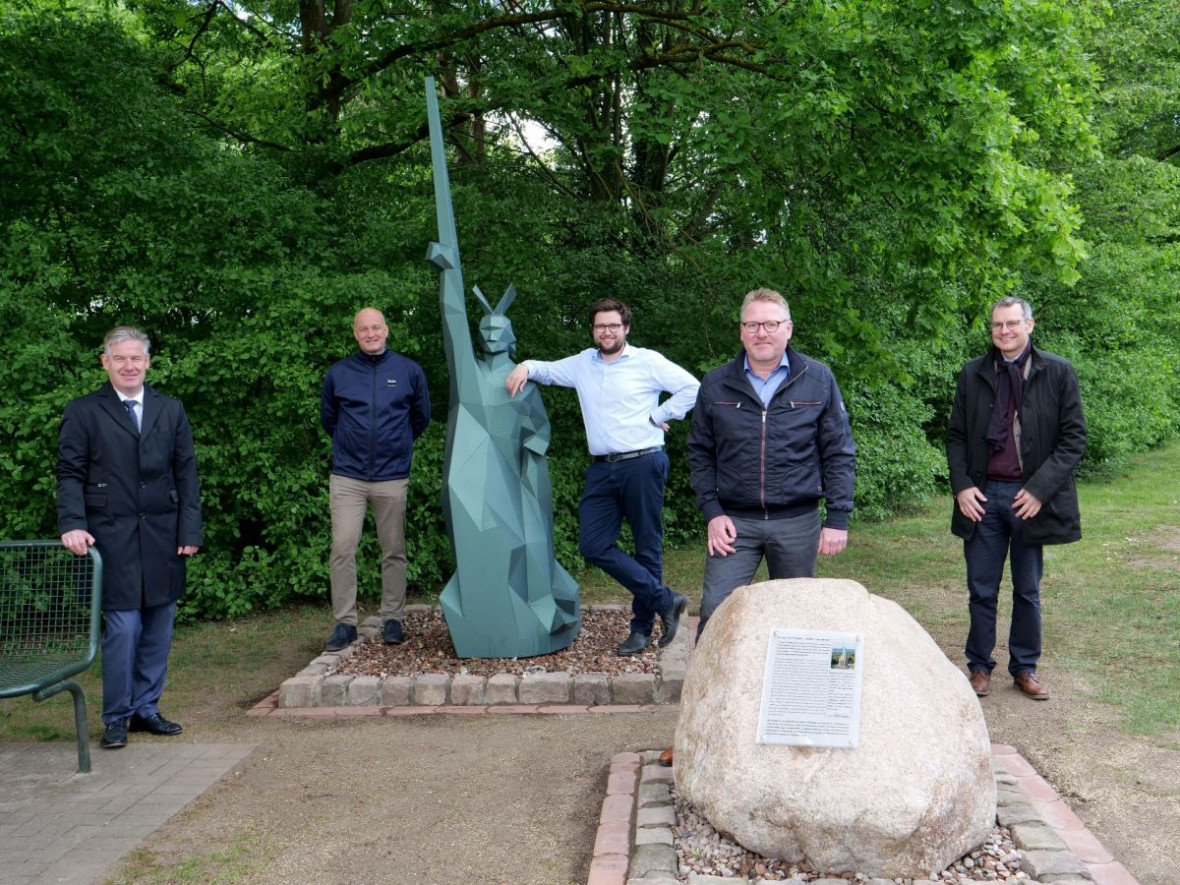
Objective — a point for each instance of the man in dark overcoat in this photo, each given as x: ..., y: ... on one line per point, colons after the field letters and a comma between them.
x: 127, y: 484
x: 1015, y: 436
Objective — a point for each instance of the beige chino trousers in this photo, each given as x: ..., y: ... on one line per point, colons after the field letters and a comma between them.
x: 349, y: 498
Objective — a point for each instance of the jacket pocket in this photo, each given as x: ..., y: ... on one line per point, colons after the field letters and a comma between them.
x: 94, y: 502
x: 798, y: 483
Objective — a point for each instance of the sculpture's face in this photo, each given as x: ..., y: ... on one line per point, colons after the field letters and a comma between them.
x: 609, y: 332
x: 496, y: 334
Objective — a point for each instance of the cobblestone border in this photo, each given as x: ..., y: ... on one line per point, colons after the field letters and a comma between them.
x: 633, y: 845
x: 313, y: 687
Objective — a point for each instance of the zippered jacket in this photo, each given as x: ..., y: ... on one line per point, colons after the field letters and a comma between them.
x: 374, y: 407
x: 1052, y: 440
x: 774, y: 462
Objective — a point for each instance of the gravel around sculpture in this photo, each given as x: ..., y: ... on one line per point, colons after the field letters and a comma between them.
x: 428, y: 649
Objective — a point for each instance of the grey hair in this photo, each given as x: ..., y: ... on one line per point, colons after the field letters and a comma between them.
x: 1009, y: 300
x: 119, y: 334
x: 769, y: 296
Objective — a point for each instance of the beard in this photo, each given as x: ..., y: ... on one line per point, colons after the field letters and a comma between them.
x: 612, y: 349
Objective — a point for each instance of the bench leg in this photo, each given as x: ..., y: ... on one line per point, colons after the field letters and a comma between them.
x: 80, y: 727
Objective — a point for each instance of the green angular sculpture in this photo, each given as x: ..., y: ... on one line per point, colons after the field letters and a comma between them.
x: 509, y: 597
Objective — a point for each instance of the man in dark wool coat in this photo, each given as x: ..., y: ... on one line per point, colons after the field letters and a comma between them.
x: 127, y: 483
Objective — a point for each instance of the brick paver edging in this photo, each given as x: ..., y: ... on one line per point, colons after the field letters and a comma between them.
x: 633, y: 845
x: 317, y: 686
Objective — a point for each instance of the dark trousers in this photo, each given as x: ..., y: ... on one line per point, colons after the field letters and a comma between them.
x: 135, y: 649
x: 999, y: 536
x: 789, y: 545
x: 631, y: 490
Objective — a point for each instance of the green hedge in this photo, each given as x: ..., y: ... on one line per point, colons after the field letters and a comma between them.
x: 115, y: 207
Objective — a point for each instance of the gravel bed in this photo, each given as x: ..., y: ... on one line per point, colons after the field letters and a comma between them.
x: 428, y: 649
x: 704, y: 851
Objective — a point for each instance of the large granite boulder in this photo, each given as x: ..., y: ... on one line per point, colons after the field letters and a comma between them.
x: 915, y: 795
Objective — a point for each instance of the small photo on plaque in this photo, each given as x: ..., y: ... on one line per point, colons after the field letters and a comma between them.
x: 811, y: 689
x: 843, y: 658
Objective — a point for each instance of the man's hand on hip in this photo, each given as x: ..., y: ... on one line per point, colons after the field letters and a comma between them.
x: 832, y: 541
x: 77, y: 541
x: 721, y: 534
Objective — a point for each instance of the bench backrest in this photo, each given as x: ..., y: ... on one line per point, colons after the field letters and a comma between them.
x: 50, y: 614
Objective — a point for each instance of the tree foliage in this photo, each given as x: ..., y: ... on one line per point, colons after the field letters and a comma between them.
x: 239, y: 177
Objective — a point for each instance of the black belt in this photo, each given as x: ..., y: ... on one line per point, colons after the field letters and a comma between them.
x: 626, y: 456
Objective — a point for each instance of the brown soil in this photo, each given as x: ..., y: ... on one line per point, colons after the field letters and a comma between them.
x: 438, y: 799
x: 428, y: 649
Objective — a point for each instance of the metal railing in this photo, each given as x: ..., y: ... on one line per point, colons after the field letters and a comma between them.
x: 50, y: 621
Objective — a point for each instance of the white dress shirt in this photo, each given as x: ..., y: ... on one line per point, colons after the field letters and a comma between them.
x: 621, y: 399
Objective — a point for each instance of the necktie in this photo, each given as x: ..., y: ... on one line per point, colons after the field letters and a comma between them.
x: 130, y: 404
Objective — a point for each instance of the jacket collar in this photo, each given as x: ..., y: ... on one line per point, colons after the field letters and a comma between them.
x: 113, y: 404
x: 987, y: 363
x: 373, y: 359
x: 735, y: 370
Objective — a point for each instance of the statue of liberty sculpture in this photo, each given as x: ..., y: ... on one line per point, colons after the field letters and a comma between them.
x: 509, y: 597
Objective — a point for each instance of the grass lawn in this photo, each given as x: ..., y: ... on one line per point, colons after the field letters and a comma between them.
x: 1111, y: 603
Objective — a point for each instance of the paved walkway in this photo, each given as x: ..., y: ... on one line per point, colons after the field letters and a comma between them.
x: 59, y: 826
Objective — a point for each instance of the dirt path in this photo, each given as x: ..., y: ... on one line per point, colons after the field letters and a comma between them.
x: 514, y: 799
x: 473, y: 800
x: 426, y: 799
x: 1125, y: 789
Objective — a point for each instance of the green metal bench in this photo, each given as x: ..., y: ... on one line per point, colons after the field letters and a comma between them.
x: 50, y: 616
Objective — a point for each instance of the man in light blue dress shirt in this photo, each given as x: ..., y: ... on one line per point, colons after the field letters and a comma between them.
x: 619, y: 388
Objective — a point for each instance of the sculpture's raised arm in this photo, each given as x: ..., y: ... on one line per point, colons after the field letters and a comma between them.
x: 444, y: 254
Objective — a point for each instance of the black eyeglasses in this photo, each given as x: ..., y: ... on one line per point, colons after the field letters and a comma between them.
x: 771, y: 326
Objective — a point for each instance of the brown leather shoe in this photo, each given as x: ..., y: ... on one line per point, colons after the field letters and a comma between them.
x: 1028, y: 683
x: 981, y: 682
x: 666, y: 757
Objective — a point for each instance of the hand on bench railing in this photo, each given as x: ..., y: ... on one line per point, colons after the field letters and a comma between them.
x: 77, y: 541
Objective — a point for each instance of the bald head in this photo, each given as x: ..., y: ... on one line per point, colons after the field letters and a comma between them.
x: 370, y: 331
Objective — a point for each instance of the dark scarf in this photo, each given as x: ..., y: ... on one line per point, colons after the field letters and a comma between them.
x: 1009, y: 388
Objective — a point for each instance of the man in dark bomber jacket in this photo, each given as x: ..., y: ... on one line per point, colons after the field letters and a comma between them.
x: 374, y: 405
x: 770, y: 437
x: 1015, y: 435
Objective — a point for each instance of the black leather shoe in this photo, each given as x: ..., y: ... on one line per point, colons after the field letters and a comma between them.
x: 671, y: 619
x: 343, y: 636
x: 115, y: 735
x: 392, y: 633
x: 154, y: 724
x: 634, y: 644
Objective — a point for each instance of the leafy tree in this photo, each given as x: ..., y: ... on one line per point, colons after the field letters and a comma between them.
x: 239, y: 177
x: 1121, y: 323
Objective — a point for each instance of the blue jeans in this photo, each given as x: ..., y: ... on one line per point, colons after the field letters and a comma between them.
x: 135, y: 649
x: 634, y: 490
x: 999, y: 536
x: 790, y: 546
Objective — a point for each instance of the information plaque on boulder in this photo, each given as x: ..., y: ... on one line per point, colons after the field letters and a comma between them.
x: 811, y: 689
